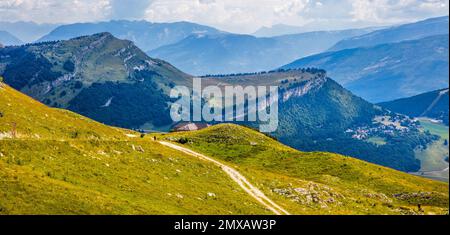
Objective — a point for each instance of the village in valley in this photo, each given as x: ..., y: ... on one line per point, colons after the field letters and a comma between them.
x: 384, y: 127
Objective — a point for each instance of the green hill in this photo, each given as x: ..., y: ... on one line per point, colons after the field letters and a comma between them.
x: 316, y: 183
x: 48, y: 169
x: 62, y: 163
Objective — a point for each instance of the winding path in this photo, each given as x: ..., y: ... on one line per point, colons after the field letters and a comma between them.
x: 236, y: 177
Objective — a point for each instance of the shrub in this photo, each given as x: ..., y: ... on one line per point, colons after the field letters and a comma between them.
x: 183, y: 140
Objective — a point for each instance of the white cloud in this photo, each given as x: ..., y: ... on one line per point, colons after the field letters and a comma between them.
x: 232, y: 15
x: 53, y: 11
x: 248, y: 15
x: 394, y: 11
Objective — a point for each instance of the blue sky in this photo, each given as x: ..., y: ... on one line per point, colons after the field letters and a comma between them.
x: 242, y: 16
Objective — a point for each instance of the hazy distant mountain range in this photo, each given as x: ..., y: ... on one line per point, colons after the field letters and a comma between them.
x: 27, y: 31
x: 278, y: 30
x: 412, y: 31
x: 8, y: 39
x: 401, y: 61
x: 284, y: 29
x: 145, y: 35
x: 233, y: 53
x: 389, y: 71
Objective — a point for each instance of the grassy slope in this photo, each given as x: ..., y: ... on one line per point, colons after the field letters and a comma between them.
x: 101, y: 170
x: 36, y: 121
x: 326, y: 183
x: 48, y: 169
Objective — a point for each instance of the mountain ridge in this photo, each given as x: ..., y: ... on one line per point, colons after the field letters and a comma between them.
x: 411, y: 31
x: 27, y: 31
x: 391, y: 67
x: 277, y: 30
x: 236, y: 53
x: 144, y: 34
x: 7, y: 39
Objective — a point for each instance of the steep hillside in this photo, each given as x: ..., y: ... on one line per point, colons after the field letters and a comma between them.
x: 316, y: 183
x: 8, y: 39
x: 145, y: 35
x: 231, y: 53
x: 389, y: 71
x: 61, y: 163
x: 413, y: 31
x: 98, y: 76
x: 431, y: 104
x: 33, y: 120
x: 317, y: 114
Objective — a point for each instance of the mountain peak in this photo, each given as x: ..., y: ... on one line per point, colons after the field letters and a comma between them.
x: 103, y: 36
x: 100, y: 68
